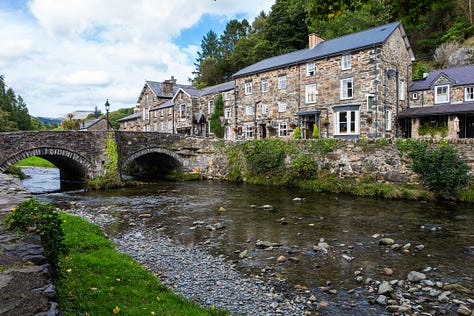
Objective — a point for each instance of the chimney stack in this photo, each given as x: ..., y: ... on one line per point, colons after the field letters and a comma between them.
x: 168, y: 85
x: 314, y: 40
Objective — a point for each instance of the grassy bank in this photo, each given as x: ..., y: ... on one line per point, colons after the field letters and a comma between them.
x: 35, y: 162
x: 100, y: 281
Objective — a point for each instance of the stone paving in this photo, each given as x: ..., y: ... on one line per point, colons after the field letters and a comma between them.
x: 25, y: 284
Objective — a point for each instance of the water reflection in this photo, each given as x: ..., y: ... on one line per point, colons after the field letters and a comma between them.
x: 350, y: 226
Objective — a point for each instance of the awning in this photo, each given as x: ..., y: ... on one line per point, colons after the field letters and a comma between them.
x: 309, y: 112
x: 437, y: 110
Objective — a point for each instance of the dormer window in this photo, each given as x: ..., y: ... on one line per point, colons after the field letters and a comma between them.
x: 442, y: 94
x: 469, y: 93
x: 346, y: 62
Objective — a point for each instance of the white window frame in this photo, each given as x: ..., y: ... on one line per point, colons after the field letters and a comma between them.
x: 414, y: 95
x: 147, y: 114
x: 337, y: 118
x: 248, y: 131
x: 388, y: 120
x: 248, y: 110
x: 469, y: 95
x: 170, y: 111
x: 282, y: 82
x: 162, y: 126
x: 227, y: 113
x: 282, y: 107
x: 283, y: 129
x: 441, y: 97
x: 345, y: 88
x: 182, y: 112
x: 248, y: 88
x: 226, y: 96
x: 170, y: 125
x: 311, y: 93
x: 210, y: 105
x: 401, y: 89
x: 155, y: 126
x: 310, y: 69
x: 346, y: 61
x: 264, y: 85
x: 265, y: 110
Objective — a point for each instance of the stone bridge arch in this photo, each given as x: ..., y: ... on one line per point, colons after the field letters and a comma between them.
x: 71, y: 165
x: 152, y: 162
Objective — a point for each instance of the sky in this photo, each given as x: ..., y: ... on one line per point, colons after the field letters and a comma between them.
x: 69, y: 55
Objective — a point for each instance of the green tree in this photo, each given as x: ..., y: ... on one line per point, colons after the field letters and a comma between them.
x: 215, y: 121
x: 207, y: 70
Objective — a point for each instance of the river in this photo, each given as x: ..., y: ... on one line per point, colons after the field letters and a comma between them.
x: 227, y: 219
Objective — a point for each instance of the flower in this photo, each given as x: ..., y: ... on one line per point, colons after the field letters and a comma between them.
x: 116, y: 310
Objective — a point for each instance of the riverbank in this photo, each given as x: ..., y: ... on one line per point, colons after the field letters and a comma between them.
x: 25, y: 284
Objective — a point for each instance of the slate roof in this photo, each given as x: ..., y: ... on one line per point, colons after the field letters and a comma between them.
x: 85, y: 125
x: 438, y: 110
x: 226, y: 86
x: 460, y: 76
x: 165, y: 105
x: 157, y: 88
x: 336, y: 46
x: 130, y: 117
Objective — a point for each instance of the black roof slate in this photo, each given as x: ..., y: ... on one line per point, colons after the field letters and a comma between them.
x: 459, y: 75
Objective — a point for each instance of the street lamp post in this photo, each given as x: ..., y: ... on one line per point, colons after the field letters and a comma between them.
x: 107, y: 107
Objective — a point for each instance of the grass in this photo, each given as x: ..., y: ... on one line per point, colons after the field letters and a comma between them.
x: 34, y: 161
x: 97, y: 280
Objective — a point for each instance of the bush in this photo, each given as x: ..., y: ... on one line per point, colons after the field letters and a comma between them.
x: 45, y: 219
x: 302, y: 167
x: 264, y: 157
x: 441, y: 168
x: 16, y: 172
x: 297, y: 133
x: 315, y: 131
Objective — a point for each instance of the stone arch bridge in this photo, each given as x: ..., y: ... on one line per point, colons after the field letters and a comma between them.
x: 82, y: 155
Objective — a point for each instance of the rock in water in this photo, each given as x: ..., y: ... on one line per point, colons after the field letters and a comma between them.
x: 415, y: 276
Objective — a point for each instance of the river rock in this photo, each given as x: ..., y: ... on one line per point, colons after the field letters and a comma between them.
x: 281, y: 259
x: 384, y: 287
x: 347, y: 258
x: 415, y: 276
x: 266, y: 244
x: 381, y: 300
x: 221, y: 209
x: 244, y: 254
x: 321, y: 247
x: 387, y: 271
x: 268, y: 207
x: 386, y: 241
x: 464, y: 310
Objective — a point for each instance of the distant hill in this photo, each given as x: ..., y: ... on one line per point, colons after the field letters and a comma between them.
x: 49, y: 120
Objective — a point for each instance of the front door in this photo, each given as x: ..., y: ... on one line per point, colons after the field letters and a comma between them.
x: 263, y: 131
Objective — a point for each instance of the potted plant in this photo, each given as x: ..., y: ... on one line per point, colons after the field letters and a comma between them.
x: 325, y: 123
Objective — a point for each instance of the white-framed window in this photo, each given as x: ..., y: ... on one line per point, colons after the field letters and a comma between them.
x: 414, y: 95
x: 155, y: 126
x: 248, y: 110
x: 162, y: 126
x: 469, y: 93
x: 147, y: 99
x: 346, y: 62
x: 227, y: 96
x: 248, y: 131
x: 147, y: 113
x: 347, y: 88
x: 265, y: 110
x: 370, y: 102
x: 346, y: 121
x: 281, y: 82
x: 147, y: 128
x: 442, y: 94
x: 310, y: 69
x: 170, y: 110
x: 154, y: 113
x: 311, y: 93
x: 401, y: 89
x: 170, y: 125
x: 210, y: 106
x: 182, y: 112
x: 162, y: 112
x: 283, y: 129
x: 264, y: 85
x: 227, y: 113
x: 281, y: 107
x: 388, y: 120
x: 248, y: 88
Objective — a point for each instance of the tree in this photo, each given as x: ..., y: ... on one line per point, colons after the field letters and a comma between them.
x: 215, y: 121
x: 207, y: 70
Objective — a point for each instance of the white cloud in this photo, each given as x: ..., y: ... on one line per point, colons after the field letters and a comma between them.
x: 72, y: 55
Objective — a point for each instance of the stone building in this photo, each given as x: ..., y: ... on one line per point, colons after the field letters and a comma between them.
x: 441, y: 105
x: 347, y: 87
x: 153, y: 95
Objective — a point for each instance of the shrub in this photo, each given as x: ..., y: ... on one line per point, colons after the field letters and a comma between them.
x: 45, y: 219
x: 302, y: 167
x: 315, y: 131
x: 297, y: 133
x: 264, y: 157
x: 441, y: 168
x: 16, y: 172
